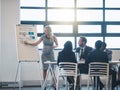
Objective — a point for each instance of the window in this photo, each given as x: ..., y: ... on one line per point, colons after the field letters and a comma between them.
x: 70, y: 19
x: 60, y: 15
x: 112, y: 3
x: 112, y: 42
x: 32, y: 15
x: 112, y: 15
x: 89, y: 29
x: 60, y: 3
x: 62, y: 28
x: 89, y: 3
x: 32, y: 3
x: 113, y: 28
x: 89, y: 15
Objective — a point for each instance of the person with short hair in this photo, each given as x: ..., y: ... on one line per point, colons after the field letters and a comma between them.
x: 97, y: 55
x: 108, y: 51
x: 82, y: 51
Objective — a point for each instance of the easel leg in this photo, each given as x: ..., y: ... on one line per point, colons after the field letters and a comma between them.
x: 40, y: 72
x: 20, y: 76
x: 18, y: 71
x: 16, y: 76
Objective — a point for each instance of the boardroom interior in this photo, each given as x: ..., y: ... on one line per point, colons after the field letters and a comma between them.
x: 69, y: 19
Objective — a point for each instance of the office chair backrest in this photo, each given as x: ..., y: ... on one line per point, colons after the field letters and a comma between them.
x: 99, y: 69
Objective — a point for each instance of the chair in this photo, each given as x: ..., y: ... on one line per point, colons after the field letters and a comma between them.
x: 99, y: 69
x: 67, y: 69
x: 118, y: 74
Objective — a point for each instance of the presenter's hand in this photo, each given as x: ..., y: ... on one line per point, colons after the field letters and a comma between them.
x: 55, y: 46
x: 25, y: 42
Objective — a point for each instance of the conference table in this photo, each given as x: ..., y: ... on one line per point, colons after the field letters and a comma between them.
x: 50, y: 71
x: 54, y: 63
x: 114, y: 62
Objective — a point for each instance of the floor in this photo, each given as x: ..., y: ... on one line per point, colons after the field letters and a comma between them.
x: 39, y: 88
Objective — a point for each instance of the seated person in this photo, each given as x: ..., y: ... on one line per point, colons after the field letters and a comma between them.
x: 82, y: 52
x: 97, y: 55
x: 83, y: 49
x: 108, y: 51
x: 67, y: 55
x: 109, y: 54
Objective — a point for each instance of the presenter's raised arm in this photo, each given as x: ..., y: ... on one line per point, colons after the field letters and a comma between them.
x: 33, y: 43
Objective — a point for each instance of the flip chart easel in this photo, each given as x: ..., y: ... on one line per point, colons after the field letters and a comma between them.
x: 26, y: 53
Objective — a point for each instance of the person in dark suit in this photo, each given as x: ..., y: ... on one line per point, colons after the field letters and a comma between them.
x: 81, y: 53
x: 97, y: 55
x: 67, y: 55
x: 83, y: 49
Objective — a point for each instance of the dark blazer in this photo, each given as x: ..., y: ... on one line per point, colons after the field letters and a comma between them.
x: 83, y: 67
x: 87, y: 50
x: 96, y: 56
x: 66, y: 58
x: 100, y: 56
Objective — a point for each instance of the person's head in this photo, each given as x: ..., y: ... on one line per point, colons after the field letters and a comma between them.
x: 103, y: 47
x: 98, y: 44
x: 68, y: 46
x: 82, y: 41
x: 47, y: 30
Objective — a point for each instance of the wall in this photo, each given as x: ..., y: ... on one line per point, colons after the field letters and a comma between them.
x: 0, y: 41
x: 10, y: 17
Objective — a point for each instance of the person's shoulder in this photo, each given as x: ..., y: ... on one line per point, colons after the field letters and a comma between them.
x: 89, y: 48
x: 109, y: 51
x: 104, y: 53
x: 77, y: 49
x: 54, y: 37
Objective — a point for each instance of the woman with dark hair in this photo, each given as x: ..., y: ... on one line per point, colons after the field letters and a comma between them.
x: 67, y: 55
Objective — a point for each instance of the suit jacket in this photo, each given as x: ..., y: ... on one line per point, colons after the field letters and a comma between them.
x: 96, y: 56
x: 62, y: 57
x: 100, y: 56
x: 87, y: 50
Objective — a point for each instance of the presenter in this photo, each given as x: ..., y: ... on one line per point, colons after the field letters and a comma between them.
x: 48, y: 45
